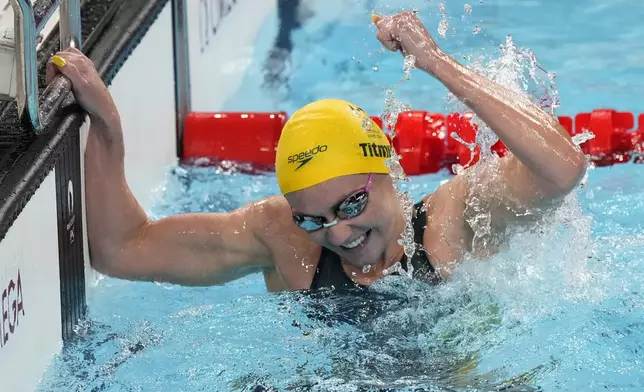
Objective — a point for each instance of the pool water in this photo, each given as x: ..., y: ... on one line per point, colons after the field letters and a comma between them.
x: 561, y: 310
x: 593, y: 46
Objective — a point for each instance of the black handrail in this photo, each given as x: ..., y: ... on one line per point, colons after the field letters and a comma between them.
x: 25, y: 164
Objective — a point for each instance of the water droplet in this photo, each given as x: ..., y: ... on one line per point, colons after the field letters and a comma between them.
x: 408, y: 65
x: 443, y: 25
x: 583, y: 137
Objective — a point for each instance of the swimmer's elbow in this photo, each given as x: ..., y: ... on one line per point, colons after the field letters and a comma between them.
x: 109, y: 263
x: 103, y: 263
x: 577, y: 171
x: 568, y: 176
x: 115, y: 255
x: 121, y: 266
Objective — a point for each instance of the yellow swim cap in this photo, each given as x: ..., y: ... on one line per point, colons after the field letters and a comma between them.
x: 326, y: 139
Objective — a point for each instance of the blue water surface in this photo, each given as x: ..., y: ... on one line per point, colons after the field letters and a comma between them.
x: 594, y: 47
x: 561, y: 310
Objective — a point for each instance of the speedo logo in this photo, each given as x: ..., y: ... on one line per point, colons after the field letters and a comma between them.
x: 375, y: 150
x: 305, y: 157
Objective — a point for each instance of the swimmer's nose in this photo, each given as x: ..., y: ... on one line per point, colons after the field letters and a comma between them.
x: 339, y: 234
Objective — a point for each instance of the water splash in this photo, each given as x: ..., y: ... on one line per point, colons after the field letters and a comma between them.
x: 521, y: 269
x: 392, y: 109
x: 408, y: 65
x: 516, y: 69
x: 583, y: 137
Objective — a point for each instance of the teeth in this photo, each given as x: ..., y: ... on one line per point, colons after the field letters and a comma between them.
x: 355, y: 243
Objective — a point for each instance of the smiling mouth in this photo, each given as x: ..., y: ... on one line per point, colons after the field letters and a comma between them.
x: 358, y: 242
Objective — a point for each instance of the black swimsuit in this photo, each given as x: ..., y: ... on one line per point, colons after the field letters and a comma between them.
x: 330, y: 273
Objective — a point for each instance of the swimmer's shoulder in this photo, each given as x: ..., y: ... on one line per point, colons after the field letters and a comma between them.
x: 274, y: 211
x: 294, y: 255
x: 271, y: 216
x: 270, y: 207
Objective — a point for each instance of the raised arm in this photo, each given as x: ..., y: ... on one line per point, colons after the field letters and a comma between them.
x: 544, y: 159
x: 544, y: 164
x: 190, y: 249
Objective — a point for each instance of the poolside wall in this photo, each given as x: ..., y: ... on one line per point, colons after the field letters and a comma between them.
x: 220, y: 39
x: 35, y: 289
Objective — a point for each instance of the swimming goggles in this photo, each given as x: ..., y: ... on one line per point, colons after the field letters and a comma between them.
x: 351, y: 207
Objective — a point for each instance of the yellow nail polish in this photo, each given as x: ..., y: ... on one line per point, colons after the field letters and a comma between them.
x: 59, y: 61
x: 375, y: 18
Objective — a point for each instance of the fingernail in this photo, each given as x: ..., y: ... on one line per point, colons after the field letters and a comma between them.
x: 59, y: 61
x: 375, y: 18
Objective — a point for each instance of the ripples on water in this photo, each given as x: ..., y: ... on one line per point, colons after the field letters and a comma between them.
x: 562, y: 310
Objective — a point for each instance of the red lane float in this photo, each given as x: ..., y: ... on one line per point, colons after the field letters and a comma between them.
x: 427, y: 142
x: 613, y: 143
x: 461, y: 133
x: 420, y: 142
x: 244, y: 137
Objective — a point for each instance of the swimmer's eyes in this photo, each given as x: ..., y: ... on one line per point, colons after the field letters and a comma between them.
x: 309, y: 223
x: 350, y: 208
x: 354, y: 204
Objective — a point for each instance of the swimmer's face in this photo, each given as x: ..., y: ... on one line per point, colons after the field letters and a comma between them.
x: 358, y: 215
